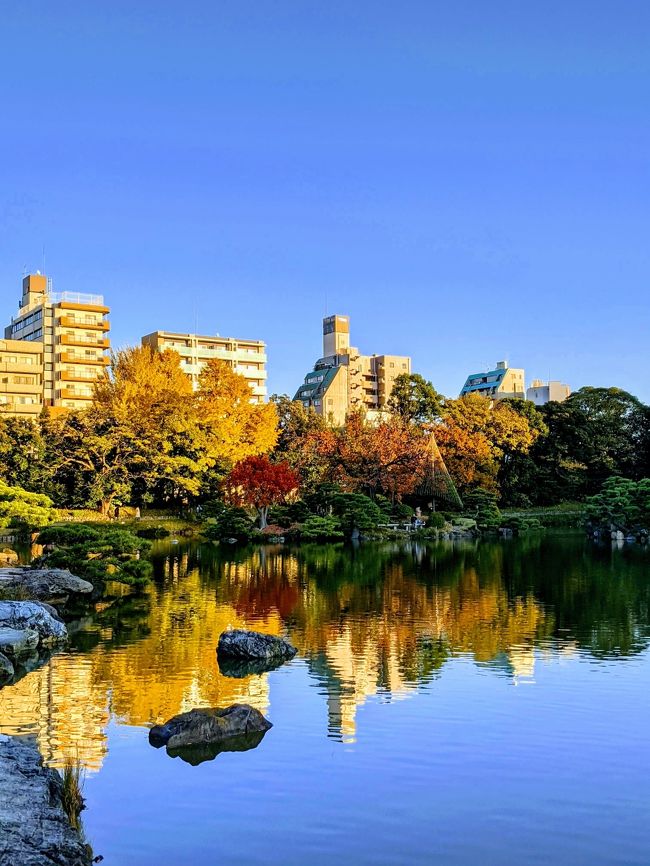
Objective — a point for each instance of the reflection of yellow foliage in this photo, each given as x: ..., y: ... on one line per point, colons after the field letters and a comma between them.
x: 359, y: 637
x: 170, y: 670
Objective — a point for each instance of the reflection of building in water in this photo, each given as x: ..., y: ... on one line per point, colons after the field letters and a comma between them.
x: 166, y: 665
x: 395, y: 634
x: 373, y: 630
x: 63, y: 707
x: 353, y: 673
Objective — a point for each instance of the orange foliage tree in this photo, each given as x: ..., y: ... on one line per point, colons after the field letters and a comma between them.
x: 475, y: 434
x: 257, y: 482
x: 388, y: 457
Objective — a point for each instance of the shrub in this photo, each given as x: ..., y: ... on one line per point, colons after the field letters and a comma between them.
x: 356, y: 512
x: 233, y: 523
x: 436, y: 520
x: 621, y: 504
x: 153, y: 532
x: 482, y: 505
x: 96, y: 554
x: 24, y: 510
x: 317, y: 528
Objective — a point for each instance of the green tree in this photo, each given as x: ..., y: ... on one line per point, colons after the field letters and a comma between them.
x: 356, y: 513
x: 594, y: 434
x: 415, y: 399
x: 24, y: 510
x: 22, y: 453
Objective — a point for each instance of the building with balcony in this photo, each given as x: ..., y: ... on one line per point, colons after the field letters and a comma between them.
x: 344, y: 380
x: 72, y: 330
x: 246, y: 357
x: 21, y: 378
x: 540, y: 392
x: 497, y: 384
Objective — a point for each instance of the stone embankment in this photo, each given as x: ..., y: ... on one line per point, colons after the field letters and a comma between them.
x: 28, y: 629
x: 43, y: 584
x: 34, y: 828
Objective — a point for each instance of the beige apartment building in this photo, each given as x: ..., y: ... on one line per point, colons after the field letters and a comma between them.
x: 246, y: 357
x: 497, y: 384
x: 344, y: 380
x: 72, y: 330
x: 540, y: 392
x: 21, y: 378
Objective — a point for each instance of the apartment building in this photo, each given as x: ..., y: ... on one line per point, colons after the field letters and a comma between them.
x: 344, y: 380
x: 246, y: 357
x: 497, y: 384
x: 73, y: 332
x: 540, y: 392
x: 21, y: 378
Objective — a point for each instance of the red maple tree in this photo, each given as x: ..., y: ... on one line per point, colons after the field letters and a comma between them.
x: 258, y: 482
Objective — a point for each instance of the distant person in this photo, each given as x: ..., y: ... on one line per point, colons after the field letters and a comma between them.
x: 117, y: 512
x: 137, y: 512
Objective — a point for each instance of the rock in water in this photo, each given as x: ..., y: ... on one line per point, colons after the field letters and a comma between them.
x: 36, y: 616
x: 18, y: 643
x: 34, y: 829
x: 241, y: 644
x: 44, y: 584
x: 6, y: 670
x: 240, y: 668
x: 196, y: 755
x: 205, y: 726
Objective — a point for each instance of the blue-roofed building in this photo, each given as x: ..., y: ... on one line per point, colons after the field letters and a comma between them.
x: 497, y: 384
x: 345, y: 381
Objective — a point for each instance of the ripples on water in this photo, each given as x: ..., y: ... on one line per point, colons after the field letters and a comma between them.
x: 472, y: 702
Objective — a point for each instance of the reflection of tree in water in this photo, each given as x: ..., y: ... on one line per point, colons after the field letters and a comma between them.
x: 381, y: 619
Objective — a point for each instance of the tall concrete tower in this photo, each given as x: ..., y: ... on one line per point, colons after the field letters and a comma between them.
x: 336, y: 335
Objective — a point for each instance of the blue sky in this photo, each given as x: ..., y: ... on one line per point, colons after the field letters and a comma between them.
x: 469, y: 181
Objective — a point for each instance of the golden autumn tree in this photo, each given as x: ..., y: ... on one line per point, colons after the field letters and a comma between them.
x: 233, y: 427
x: 474, y: 435
x: 138, y: 439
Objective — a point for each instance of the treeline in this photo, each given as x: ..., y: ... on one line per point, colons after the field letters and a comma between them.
x: 149, y: 439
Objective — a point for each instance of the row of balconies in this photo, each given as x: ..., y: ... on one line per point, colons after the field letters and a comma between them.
x: 21, y: 408
x: 66, y: 376
x: 22, y: 388
x: 73, y: 358
x: 100, y: 342
x: 93, y: 324
x: 205, y: 354
x: 18, y: 367
x: 72, y: 394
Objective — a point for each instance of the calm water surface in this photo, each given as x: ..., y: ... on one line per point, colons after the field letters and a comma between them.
x: 460, y: 703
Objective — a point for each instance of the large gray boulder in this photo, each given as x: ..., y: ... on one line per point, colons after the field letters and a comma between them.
x: 18, y: 643
x: 202, y: 727
x: 6, y: 670
x: 241, y: 644
x: 44, y: 584
x: 34, y: 829
x: 35, y: 616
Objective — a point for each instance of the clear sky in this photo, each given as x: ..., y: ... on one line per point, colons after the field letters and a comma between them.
x: 468, y: 180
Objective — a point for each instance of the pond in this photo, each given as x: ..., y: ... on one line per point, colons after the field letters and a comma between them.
x: 458, y: 703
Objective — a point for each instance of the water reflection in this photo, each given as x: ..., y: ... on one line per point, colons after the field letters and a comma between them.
x: 379, y: 620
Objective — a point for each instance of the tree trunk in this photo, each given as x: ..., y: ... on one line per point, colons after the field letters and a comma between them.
x: 264, y: 511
